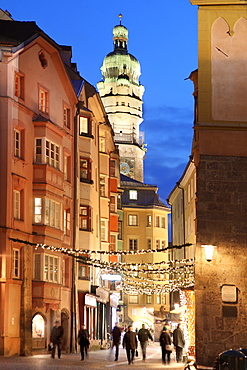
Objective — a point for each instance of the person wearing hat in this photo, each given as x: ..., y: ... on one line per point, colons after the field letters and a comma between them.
x: 56, y: 339
x: 165, y: 343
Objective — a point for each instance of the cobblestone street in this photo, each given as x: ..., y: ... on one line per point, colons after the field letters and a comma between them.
x: 103, y: 359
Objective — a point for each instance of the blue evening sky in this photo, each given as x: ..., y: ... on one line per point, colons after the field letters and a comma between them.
x: 162, y: 36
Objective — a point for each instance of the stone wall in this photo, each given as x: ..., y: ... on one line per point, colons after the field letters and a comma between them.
x: 221, y: 221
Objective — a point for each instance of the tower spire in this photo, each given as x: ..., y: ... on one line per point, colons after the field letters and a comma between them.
x: 120, y: 19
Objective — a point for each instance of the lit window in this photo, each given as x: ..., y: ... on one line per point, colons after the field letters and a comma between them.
x: 102, y: 186
x: 112, y: 247
x: 133, y: 244
x: 17, y: 204
x: 85, y: 169
x: 119, y: 201
x: 149, y: 220
x: 16, y: 264
x: 52, y: 213
x: 17, y: 143
x: 163, y: 222
x: 112, y: 204
x: 102, y: 147
x: 84, y: 125
x: 85, y: 218
x: 66, y: 117
x: 43, y: 101
x: 66, y: 222
x: 19, y: 85
x: 37, y: 210
x: 112, y: 168
x: 104, y: 229
x: 132, y: 220
x: 133, y: 194
x: 133, y: 299
x: 158, y: 299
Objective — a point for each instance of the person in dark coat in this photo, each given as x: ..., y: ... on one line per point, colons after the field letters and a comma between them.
x: 165, y: 340
x: 83, y: 340
x: 116, y: 339
x: 56, y: 339
x: 179, y: 342
x: 143, y: 336
x: 130, y: 344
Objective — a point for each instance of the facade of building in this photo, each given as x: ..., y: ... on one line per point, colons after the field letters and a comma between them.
x: 219, y: 157
x: 59, y: 192
x: 121, y: 93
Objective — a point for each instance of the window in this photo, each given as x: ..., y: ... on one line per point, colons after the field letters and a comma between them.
x: 83, y: 272
x: 84, y: 126
x: 133, y: 194
x: 17, y: 143
x: 37, y: 210
x: 43, y: 101
x: 67, y: 168
x: 102, y: 147
x: 149, y: 243
x: 52, y: 213
x: 119, y: 201
x: 38, y: 326
x: 158, y: 299
x: 51, y: 268
x: 85, y: 169
x: 133, y: 244
x: 16, y: 264
x: 157, y: 244
x: 17, y: 204
x: 19, y: 85
x: 112, y: 168
x: 149, y: 220
x: 120, y: 230
x: 38, y: 151
x: 66, y: 222
x: 157, y: 221
x: 163, y: 222
x: 133, y: 299
x: 112, y: 203
x: 113, y: 244
x: 46, y: 268
x: 66, y: 117
x: 52, y: 154
x: 132, y: 220
x: 104, y: 229
x: 148, y: 299
x: 85, y: 218
x: 102, y: 186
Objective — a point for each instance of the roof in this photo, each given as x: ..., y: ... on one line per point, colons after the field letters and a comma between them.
x: 128, y: 181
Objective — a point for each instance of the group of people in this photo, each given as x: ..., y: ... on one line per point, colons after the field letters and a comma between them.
x: 166, y: 344
x: 129, y: 342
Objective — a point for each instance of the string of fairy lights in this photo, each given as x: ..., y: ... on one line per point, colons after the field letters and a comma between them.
x: 136, y: 277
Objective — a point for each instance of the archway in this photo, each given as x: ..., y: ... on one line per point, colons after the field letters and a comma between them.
x: 38, y: 331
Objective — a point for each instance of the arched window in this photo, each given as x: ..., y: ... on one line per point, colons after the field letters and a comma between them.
x: 38, y: 326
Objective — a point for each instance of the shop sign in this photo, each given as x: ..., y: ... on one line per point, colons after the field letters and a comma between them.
x: 90, y: 300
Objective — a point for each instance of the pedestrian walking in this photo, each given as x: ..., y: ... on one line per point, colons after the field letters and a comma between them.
x: 56, y: 339
x: 165, y: 342
x: 130, y: 344
x: 116, y: 339
x: 179, y: 342
x: 143, y: 336
x: 83, y: 340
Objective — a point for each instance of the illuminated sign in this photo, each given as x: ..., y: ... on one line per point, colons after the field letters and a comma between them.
x: 111, y: 277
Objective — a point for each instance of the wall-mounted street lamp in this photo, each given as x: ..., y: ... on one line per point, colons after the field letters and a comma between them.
x: 209, y: 251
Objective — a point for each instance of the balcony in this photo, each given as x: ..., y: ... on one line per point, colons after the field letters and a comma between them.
x: 132, y: 138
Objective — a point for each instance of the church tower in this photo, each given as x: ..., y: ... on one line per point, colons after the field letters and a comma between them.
x: 121, y: 94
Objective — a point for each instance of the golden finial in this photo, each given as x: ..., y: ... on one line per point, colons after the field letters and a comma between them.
x: 120, y: 18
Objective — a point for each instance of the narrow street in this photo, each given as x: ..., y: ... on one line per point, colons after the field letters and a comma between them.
x: 103, y: 359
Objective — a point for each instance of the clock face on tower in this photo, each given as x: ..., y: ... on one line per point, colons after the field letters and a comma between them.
x: 127, y: 166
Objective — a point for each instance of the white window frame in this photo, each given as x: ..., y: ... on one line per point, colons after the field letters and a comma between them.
x: 17, y: 143
x: 133, y: 244
x: 47, y: 152
x: 104, y: 229
x: 133, y: 194
x: 17, y: 204
x: 16, y: 263
x: 132, y: 220
x: 66, y: 117
x: 52, y: 213
x: 43, y: 100
x: 84, y: 125
x: 102, y: 186
x: 46, y: 268
x: 133, y: 299
x: 102, y: 141
x: 66, y: 221
x: 37, y: 210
